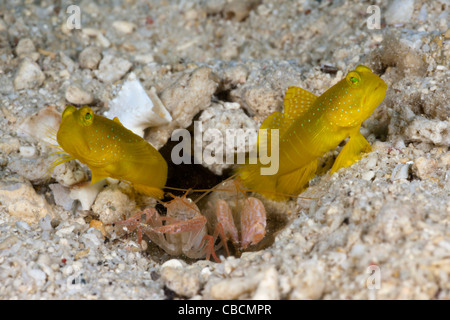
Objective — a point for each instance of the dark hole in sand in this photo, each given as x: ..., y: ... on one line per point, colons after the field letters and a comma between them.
x: 195, y: 176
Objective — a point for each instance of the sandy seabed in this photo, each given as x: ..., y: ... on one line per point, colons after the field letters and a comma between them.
x: 376, y: 230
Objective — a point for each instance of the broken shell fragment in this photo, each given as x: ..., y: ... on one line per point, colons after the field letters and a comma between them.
x: 136, y: 110
x: 86, y: 193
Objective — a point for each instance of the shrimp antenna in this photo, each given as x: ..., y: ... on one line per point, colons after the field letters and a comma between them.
x: 206, y: 191
x: 217, y: 188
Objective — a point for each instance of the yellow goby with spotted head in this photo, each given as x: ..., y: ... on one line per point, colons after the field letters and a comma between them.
x: 111, y: 150
x: 311, y: 126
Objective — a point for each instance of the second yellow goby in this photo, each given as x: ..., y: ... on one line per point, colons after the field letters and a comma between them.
x: 311, y: 126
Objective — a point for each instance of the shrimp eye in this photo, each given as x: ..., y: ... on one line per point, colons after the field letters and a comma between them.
x: 353, y: 79
x: 87, y: 116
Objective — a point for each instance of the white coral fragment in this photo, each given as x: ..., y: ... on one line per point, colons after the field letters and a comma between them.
x: 136, y: 110
x: 42, y: 125
x: 86, y: 193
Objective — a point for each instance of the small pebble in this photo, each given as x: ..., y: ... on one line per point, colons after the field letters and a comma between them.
x: 99, y: 226
x: 61, y: 195
x: 23, y: 225
x: 368, y: 175
x: 205, y: 273
x: 401, y: 171
x: 77, y: 266
x: 8, y: 242
x: 185, y: 282
x: 29, y: 75
x: 25, y: 48
x: 67, y: 61
x: 21, y: 200
x: 358, y: 250
x: 95, y: 33
x: 112, y: 204
x: 45, y: 223
x: 65, y: 231
x: 92, y: 239
x: 39, y: 276
x: 233, y: 288
x: 90, y: 57
x: 124, y: 26
x: 67, y: 270
x: 172, y: 263
x: 77, y: 95
x: 27, y: 151
x: 423, y: 167
x: 268, y: 287
x: 238, y: 10
x: 81, y: 254
x: 144, y: 58
x: 112, y: 68
x: 371, y: 162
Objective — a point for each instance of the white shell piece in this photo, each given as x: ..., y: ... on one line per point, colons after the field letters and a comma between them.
x: 86, y: 193
x: 136, y: 110
x: 42, y: 125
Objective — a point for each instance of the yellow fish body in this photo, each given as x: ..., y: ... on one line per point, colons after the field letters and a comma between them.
x: 111, y: 150
x: 311, y: 126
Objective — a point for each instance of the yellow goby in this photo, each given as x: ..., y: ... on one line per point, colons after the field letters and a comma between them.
x: 111, y: 150
x: 310, y: 126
